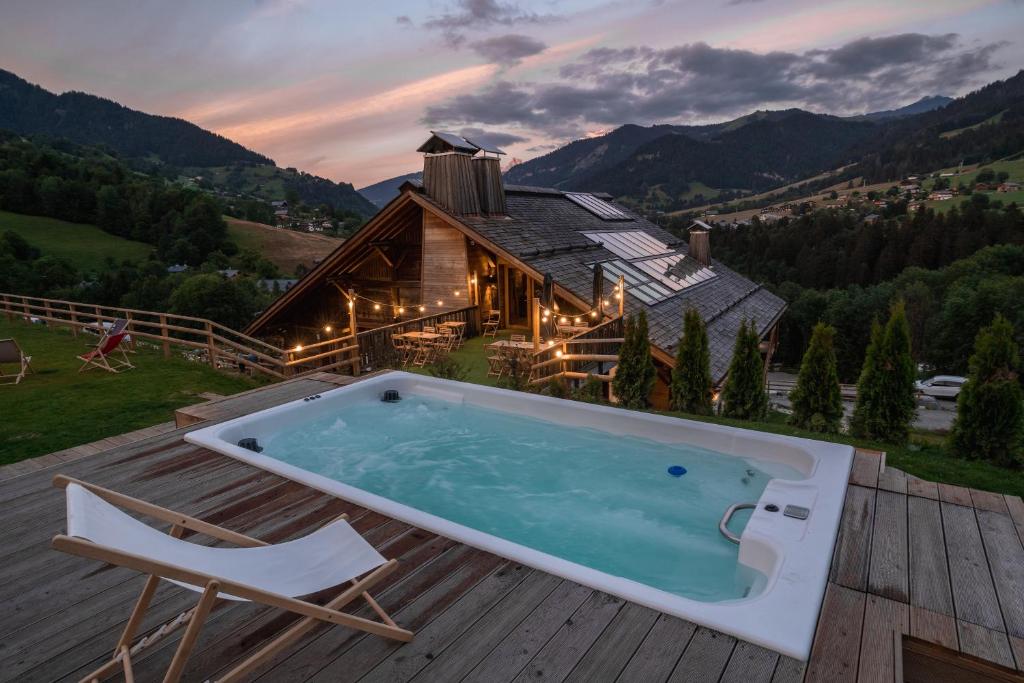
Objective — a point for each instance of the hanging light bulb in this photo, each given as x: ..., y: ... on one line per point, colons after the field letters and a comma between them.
x: 376, y: 307
x: 576, y: 321
x: 618, y: 296
x: 456, y: 292
x: 593, y: 314
x: 563, y: 320
x: 550, y: 343
x: 558, y: 354
x: 440, y: 303
x: 328, y: 329
x: 605, y: 302
x: 401, y: 310
x: 298, y: 347
x: 422, y: 308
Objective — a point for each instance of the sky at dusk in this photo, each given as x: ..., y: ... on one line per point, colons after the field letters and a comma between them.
x: 348, y: 89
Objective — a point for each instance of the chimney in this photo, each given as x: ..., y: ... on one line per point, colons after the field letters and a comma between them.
x: 489, y: 187
x: 700, y: 246
x: 448, y: 172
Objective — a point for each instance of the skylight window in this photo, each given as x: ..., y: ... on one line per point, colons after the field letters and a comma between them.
x: 599, y: 207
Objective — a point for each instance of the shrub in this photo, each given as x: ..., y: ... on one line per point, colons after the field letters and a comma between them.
x: 990, y: 409
x: 591, y: 391
x: 885, y: 393
x: 556, y: 387
x: 635, y: 373
x: 447, y: 367
x: 817, y: 402
x: 744, y: 396
x: 690, y: 391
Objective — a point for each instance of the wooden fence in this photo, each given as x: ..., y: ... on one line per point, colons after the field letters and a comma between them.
x: 209, y: 341
x: 570, y: 358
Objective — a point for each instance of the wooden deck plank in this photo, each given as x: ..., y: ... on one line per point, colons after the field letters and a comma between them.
x: 929, y: 572
x: 572, y: 641
x: 922, y: 488
x: 985, y: 643
x: 850, y: 563
x: 408, y: 660
x: 864, y: 470
x: 836, y: 649
x: 985, y: 500
x: 750, y: 663
x: 516, y: 650
x: 657, y: 655
x: 611, y: 652
x: 892, y: 479
x: 705, y: 658
x: 933, y: 627
x: 957, y: 495
x: 974, y: 594
x: 883, y: 618
x: 789, y: 670
x: 1015, y: 506
x: 1006, y: 562
x: 888, y: 571
x: 458, y: 659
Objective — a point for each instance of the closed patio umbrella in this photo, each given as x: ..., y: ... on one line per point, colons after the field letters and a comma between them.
x: 598, y: 291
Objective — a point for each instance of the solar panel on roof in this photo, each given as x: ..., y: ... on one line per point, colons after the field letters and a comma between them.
x: 629, y: 244
x: 599, y: 207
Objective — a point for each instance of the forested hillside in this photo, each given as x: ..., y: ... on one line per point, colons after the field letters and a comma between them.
x: 163, y: 145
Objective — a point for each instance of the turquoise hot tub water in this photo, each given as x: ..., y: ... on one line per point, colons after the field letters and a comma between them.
x: 600, y: 500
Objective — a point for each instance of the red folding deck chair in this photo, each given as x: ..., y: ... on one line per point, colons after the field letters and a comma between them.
x: 105, y: 352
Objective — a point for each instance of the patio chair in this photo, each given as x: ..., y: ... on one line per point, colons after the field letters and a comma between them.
x: 490, y: 325
x: 105, y: 352
x: 10, y: 352
x: 275, y: 575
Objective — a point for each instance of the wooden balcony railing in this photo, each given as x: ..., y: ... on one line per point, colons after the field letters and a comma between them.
x: 377, y: 350
x: 573, y: 357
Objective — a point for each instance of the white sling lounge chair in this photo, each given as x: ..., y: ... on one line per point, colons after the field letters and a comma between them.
x: 274, y: 575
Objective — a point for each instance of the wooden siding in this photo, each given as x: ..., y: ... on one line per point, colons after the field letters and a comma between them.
x: 445, y: 265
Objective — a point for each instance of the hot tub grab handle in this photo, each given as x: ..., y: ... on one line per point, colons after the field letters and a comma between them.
x: 723, y: 525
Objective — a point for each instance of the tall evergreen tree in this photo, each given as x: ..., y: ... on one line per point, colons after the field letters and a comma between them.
x: 691, y: 377
x: 990, y: 409
x: 817, y: 402
x: 885, y: 393
x: 744, y: 396
x: 635, y: 374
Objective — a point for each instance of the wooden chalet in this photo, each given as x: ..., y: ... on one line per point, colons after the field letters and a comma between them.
x: 463, y: 240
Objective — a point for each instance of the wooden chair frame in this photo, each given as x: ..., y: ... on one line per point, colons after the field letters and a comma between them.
x: 194, y: 617
x: 491, y: 324
x: 26, y: 366
x: 103, y: 360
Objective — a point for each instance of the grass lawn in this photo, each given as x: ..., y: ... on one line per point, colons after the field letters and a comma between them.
x: 86, y: 246
x: 924, y: 457
x: 57, y: 407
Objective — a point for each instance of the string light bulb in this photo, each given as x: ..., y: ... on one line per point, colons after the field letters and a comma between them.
x: 440, y: 303
x: 376, y: 307
x: 327, y: 329
x: 605, y: 302
x: 550, y: 343
x: 350, y: 305
x: 456, y: 292
x: 576, y: 321
x: 563, y: 320
x: 558, y: 354
x: 618, y: 296
x: 298, y: 347
x: 422, y: 308
x: 401, y: 310
x: 593, y: 314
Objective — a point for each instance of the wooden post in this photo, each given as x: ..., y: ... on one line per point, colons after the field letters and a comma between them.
x: 622, y: 295
x: 163, y: 334
x: 74, y: 319
x: 507, y: 318
x: 210, y: 345
x: 24, y: 305
x: 353, y: 329
x: 7, y: 309
x: 47, y: 310
x: 536, y: 324
x: 128, y: 328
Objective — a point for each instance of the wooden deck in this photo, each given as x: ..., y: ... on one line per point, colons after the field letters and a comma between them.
x: 940, y: 562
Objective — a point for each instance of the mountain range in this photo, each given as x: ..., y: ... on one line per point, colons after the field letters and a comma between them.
x: 163, y: 145
x: 671, y: 167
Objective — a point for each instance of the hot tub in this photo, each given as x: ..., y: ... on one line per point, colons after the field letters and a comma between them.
x: 626, y: 502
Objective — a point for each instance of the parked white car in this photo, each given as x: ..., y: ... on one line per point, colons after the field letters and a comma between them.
x: 941, y: 386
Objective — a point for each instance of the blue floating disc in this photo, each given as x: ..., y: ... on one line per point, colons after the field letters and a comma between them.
x: 677, y: 470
